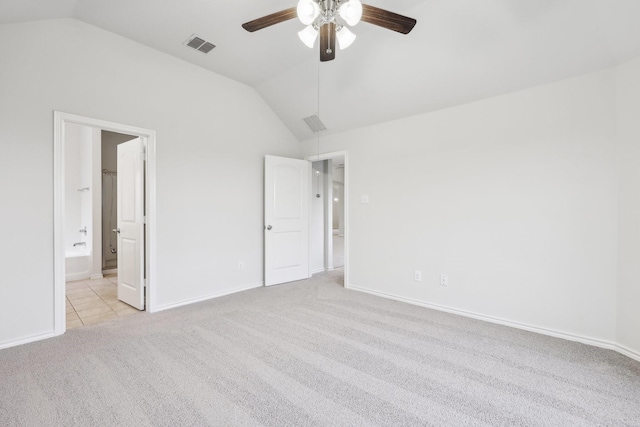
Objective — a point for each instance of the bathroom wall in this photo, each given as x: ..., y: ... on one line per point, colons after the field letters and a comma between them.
x: 78, y: 186
x: 96, y: 203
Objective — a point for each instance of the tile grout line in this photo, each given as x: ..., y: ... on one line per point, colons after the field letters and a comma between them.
x: 87, y: 286
x: 111, y: 308
x: 102, y: 299
x: 74, y: 310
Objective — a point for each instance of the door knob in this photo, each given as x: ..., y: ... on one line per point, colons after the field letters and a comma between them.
x: 116, y: 230
x: 269, y: 227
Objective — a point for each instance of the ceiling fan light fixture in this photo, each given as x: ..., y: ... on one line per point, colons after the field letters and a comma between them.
x: 308, y: 36
x: 351, y: 12
x: 345, y: 37
x: 308, y: 11
x: 328, y: 21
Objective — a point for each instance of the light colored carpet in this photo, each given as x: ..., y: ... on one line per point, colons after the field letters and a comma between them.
x: 312, y: 353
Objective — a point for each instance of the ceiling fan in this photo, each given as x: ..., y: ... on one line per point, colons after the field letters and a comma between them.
x: 331, y: 19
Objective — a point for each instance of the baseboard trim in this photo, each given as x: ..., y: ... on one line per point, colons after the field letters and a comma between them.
x: 26, y: 340
x: 207, y: 297
x: 626, y: 351
x: 76, y: 276
x: 318, y: 270
x: 96, y: 276
x: 544, y: 331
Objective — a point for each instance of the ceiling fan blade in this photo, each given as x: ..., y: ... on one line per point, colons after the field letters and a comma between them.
x: 389, y: 20
x: 328, y: 42
x: 269, y: 20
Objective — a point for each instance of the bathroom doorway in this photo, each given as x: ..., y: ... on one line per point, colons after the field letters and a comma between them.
x: 338, y: 211
x: 94, y: 198
x: 329, y: 218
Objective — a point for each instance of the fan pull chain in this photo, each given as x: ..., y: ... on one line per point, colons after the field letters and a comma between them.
x: 318, y: 158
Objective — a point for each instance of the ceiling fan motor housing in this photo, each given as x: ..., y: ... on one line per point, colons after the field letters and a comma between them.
x: 328, y: 11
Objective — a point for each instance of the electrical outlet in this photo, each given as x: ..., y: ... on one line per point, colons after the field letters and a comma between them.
x: 240, y: 265
x: 417, y: 276
x: 444, y: 280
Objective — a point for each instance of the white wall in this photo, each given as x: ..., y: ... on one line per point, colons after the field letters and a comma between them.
x: 628, y: 110
x: 79, y: 207
x: 212, y: 134
x: 514, y: 197
x: 77, y: 176
x: 96, y: 203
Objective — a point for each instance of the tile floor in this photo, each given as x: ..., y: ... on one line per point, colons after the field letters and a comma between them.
x: 94, y: 301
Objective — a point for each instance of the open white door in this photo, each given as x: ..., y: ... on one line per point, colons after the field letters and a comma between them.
x: 131, y: 223
x: 286, y: 219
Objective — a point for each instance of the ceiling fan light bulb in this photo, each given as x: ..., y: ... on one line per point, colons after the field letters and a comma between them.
x: 308, y: 36
x: 351, y: 12
x: 345, y: 38
x: 308, y: 11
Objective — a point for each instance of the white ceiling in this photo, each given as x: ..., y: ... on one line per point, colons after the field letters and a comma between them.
x: 459, y: 51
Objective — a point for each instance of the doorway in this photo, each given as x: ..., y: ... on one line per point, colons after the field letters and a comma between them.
x: 65, y: 124
x: 329, y: 229
x: 338, y: 211
x: 109, y: 178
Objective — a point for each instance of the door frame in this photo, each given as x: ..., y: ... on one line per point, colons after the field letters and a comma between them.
x: 60, y: 120
x: 331, y: 156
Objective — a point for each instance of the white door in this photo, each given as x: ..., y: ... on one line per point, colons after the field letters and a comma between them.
x: 131, y: 223
x: 286, y: 219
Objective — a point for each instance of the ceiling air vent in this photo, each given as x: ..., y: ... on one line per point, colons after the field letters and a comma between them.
x: 199, y: 44
x: 314, y: 123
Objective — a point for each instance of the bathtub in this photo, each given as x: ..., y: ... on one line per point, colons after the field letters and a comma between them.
x: 77, y: 263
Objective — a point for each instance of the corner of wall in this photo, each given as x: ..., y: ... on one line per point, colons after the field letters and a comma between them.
x: 628, y: 144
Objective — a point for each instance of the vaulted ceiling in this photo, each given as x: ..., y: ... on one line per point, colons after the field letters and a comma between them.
x: 459, y: 51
